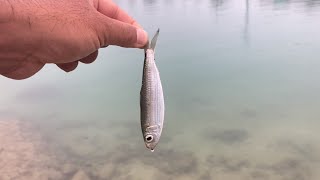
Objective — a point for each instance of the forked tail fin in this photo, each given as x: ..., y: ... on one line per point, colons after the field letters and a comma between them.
x: 153, y: 43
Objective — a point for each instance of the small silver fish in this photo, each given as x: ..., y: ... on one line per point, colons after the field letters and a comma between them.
x: 151, y: 98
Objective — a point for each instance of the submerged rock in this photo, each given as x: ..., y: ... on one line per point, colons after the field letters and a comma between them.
x: 80, y: 175
x: 106, y: 171
x: 228, y: 136
x: 54, y: 174
x: 68, y: 168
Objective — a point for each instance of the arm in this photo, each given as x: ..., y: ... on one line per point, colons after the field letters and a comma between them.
x: 63, y: 32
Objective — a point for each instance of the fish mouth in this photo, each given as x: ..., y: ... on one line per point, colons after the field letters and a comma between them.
x: 150, y: 147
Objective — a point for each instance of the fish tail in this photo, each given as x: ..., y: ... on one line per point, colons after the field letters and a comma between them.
x: 154, y: 40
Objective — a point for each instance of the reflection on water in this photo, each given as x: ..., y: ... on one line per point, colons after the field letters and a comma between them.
x: 242, y: 96
x: 246, y: 24
x: 307, y: 3
x: 149, y: 2
x: 218, y: 3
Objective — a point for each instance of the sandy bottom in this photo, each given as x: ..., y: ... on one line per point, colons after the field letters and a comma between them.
x: 23, y: 155
x: 91, y: 153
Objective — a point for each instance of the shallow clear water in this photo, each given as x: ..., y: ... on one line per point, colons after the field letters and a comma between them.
x: 241, y: 88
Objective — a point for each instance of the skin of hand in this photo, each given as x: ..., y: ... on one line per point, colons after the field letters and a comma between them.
x: 64, y: 32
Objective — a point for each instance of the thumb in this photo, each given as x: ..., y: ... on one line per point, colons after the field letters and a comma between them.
x: 113, y: 32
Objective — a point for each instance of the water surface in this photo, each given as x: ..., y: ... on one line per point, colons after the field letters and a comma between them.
x: 241, y: 88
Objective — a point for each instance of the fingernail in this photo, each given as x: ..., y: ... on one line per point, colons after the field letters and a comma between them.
x: 142, y: 37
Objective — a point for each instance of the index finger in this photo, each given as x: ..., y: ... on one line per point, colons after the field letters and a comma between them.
x: 112, y: 10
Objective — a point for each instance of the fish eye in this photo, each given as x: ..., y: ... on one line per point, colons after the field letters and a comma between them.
x: 149, y: 138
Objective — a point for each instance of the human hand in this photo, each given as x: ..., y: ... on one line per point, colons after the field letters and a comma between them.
x: 64, y: 32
